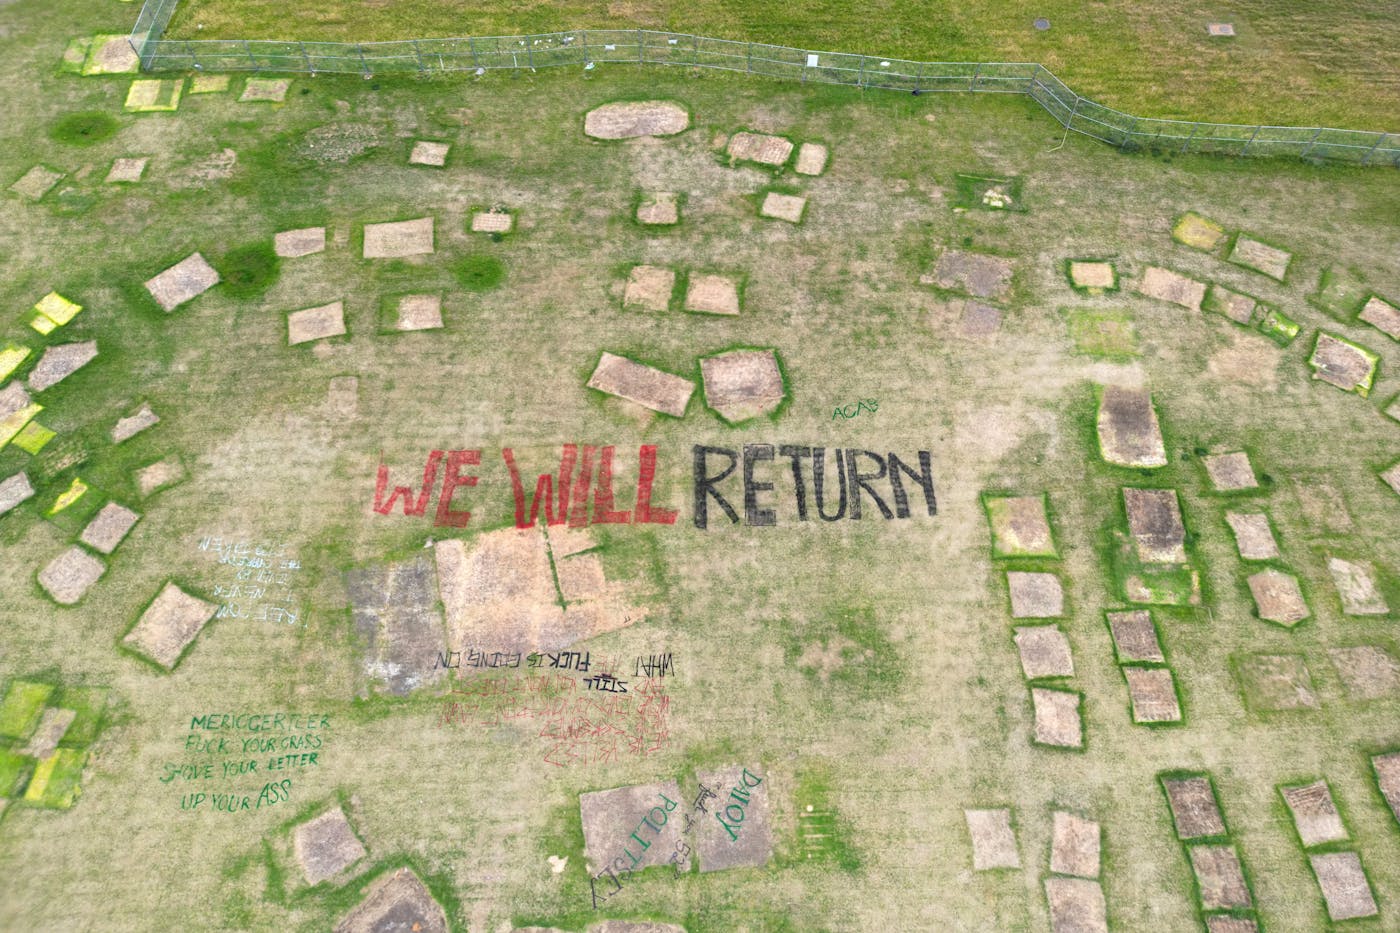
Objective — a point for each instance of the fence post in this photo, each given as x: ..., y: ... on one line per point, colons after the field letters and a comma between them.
x: 194, y: 60
x: 919, y: 78
x: 748, y: 63
x: 251, y: 60
x: 1132, y: 131
x: 1250, y: 140
x: 360, y: 50
x: 1367, y: 157
x: 585, y: 46
x: 418, y: 54
x: 977, y: 73
x: 530, y: 54
x: 1194, y: 128
x: 1069, y: 121
x: 306, y: 59
x: 695, y: 50
x: 640, y: 48
x: 1312, y: 142
x: 860, y: 74
x: 471, y: 43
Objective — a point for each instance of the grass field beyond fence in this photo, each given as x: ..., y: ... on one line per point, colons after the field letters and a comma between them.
x: 1305, y: 62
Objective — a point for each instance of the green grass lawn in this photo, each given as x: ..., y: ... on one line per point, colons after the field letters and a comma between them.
x: 1307, y: 62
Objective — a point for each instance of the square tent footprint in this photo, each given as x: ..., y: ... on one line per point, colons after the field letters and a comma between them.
x: 1261, y: 257
x: 1193, y: 230
x: 1020, y: 526
x: 1044, y: 651
x: 712, y: 294
x: 111, y: 55
x: 209, y: 84
x: 1254, y: 538
x: 419, y: 312
x: 316, y: 323
x: 126, y: 170
x: 1391, y: 477
x: 1341, y: 363
x: 427, y: 152
x: 1154, y: 521
x: 36, y: 182
x: 1230, y: 472
x: 109, y: 528
x: 1387, y: 768
x: 304, y: 241
x: 979, y: 320
x: 1128, y: 431
x: 780, y: 206
x: 1195, y: 812
x: 1382, y: 315
x: 271, y: 90
x: 980, y: 275
x: 1152, y: 694
x: 69, y: 576
x: 1093, y: 276
x: 396, y: 902
x: 1278, y: 598
x: 649, y: 288
x: 151, y: 95
x: 1314, y: 814
x: 1035, y: 595
x: 1356, y: 586
x: 59, y: 362
x: 1274, y: 682
x: 399, y: 238
x: 743, y: 384
x: 1236, y: 306
x: 186, y: 280
x: 132, y: 425
x: 1220, y: 877
x: 1135, y: 636
x: 758, y: 147
x: 1074, y: 845
x: 1369, y: 672
x: 492, y: 221
x: 993, y: 839
x: 647, y: 386
x: 326, y: 846
x: 1173, y: 287
x: 162, y: 474
x: 14, y: 490
x: 749, y: 844
x: 659, y: 209
x: 1076, y: 905
x: 611, y: 817
x: 1344, y: 885
x: 1057, y: 719
x: 169, y: 625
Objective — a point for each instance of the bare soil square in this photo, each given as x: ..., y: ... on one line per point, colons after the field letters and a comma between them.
x: 1166, y: 285
x: 154, y: 477
x: 419, y: 312
x: 1391, y: 477
x: 645, y: 385
x: 758, y: 147
x: 110, y: 55
x: 1044, y: 651
x: 1356, y: 586
x: 1020, y: 526
x: 343, y: 397
x: 1220, y: 877
x: 649, y: 288
x: 1277, y: 682
x: 1278, y: 598
x: 492, y: 221
x: 1197, y: 232
x: 977, y: 274
x: 426, y: 152
x: 1092, y: 275
x: 126, y: 170
x: 1344, y: 885
x: 209, y: 84
x: 1057, y: 719
x: 396, y: 903
x: 326, y: 846
x: 1346, y: 365
x: 1135, y: 636
x: 1382, y: 315
x: 1152, y: 692
x: 1233, y: 305
x: 399, y: 238
x: 1195, y: 811
x: 132, y: 425
x: 1230, y: 472
x: 1260, y: 257
x: 1368, y: 672
x: 754, y: 846
x: 631, y: 119
x: 659, y: 209
x: 993, y: 839
x: 187, y: 279
x: 811, y: 159
x: 787, y: 207
x: 14, y: 490
x: 1129, y: 434
x: 316, y: 323
x: 1154, y: 521
x: 396, y: 616
x: 170, y: 623
x: 743, y: 384
x: 979, y: 320
x: 1074, y: 845
x: 1314, y: 814
x: 610, y: 817
x: 1224, y: 923
x: 36, y: 182
x: 269, y: 90
x: 59, y: 362
x: 1387, y: 769
x: 712, y: 294
x: 109, y: 528
x: 1322, y: 505
x: 1076, y: 906
x: 70, y: 575
x: 1035, y: 595
x: 1254, y: 538
x: 52, y: 725
x: 304, y: 241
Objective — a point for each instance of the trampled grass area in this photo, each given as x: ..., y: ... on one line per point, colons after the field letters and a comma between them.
x: 1306, y: 63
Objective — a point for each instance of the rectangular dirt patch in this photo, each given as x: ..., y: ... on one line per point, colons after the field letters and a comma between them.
x: 1369, y: 672
x: 1277, y: 682
x: 1387, y: 768
x: 1166, y: 285
x: 1076, y: 906
x: 1254, y: 538
x: 1154, y: 521
x: 1135, y: 636
x: 1261, y: 257
x: 1074, y: 846
x: 397, y: 618
x: 649, y: 288
x: 182, y: 282
x: 1044, y: 652
x: 758, y: 147
x: 744, y: 838
x: 1020, y: 526
x: 170, y: 623
x: 712, y: 294
x: 1220, y: 877
x: 993, y: 839
x: 1129, y: 434
x: 399, y: 238
x: 1314, y: 814
x: 1152, y: 691
x: 1278, y: 598
x: 1344, y: 885
x: 1057, y: 719
x: 1195, y: 811
x: 636, y: 382
x: 975, y: 274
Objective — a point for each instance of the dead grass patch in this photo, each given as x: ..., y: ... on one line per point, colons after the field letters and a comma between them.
x: 1135, y: 636
x: 1057, y: 719
x: 397, y: 902
x: 1274, y: 682
x: 1076, y: 905
x: 1219, y: 877
x: 649, y: 288
x: 1369, y: 672
x: 1356, y: 585
x: 743, y: 384
x: 109, y: 528
x: 1129, y: 434
x: 1278, y: 598
x: 1166, y: 285
x: 1314, y: 813
x: 1154, y: 521
x: 631, y: 119
x: 1044, y: 651
x: 993, y: 839
x: 1152, y: 692
x: 1254, y: 538
x: 169, y: 625
x: 1344, y: 885
x: 187, y: 279
x: 1035, y: 595
x: 649, y: 387
x: 70, y: 575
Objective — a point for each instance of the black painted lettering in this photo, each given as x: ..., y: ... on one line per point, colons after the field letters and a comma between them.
x: 704, y: 484
x: 861, y: 481
x: 753, y: 515
x: 924, y: 479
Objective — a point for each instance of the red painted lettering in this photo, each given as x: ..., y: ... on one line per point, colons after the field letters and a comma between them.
x: 411, y: 506
x: 603, y: 513
x: 456, y: 459
x: 646, y: 475
x: 544, y: 489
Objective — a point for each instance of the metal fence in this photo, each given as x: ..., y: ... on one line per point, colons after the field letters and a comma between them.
x: 586, y: 48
